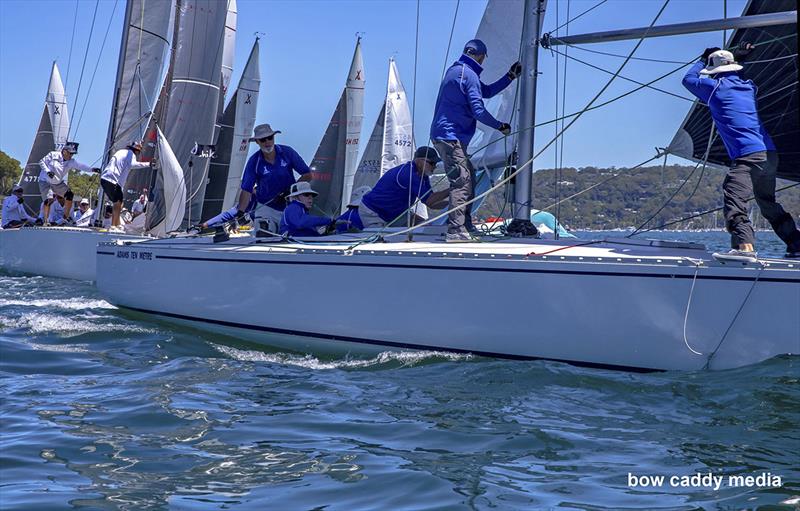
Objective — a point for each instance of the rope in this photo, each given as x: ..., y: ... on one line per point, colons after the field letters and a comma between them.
x: 97, y: 65
x: 735, y: 316
x: 696, y: 263
x: 85, y: 55
x: 530, y: 161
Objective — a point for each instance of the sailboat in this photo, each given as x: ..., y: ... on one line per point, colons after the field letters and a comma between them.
x: 334, y: 163
x: 628, y: 304
x: 149, y: 25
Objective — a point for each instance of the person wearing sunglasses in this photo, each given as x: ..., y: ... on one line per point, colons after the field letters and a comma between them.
x: 399, y: 188
x: 271, y: 171
x: 14, y: 214
x: 296, y: 219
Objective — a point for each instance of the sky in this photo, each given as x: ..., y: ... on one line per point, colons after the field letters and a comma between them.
x: 306, y: 50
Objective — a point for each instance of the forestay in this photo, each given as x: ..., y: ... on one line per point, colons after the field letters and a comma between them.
x: 773, y: 67
x: 335, y: 161
x: 51, y: 134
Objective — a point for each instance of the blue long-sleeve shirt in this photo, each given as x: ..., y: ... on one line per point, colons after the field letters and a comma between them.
x: 296, y: 221
x: 732, y: 103
x: 348, y: 221
x: 273, y: 179
x: 460, y: 102
x: 230, y: 214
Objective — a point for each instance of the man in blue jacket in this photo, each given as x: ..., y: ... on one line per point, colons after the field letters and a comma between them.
x: 296, y: 219
x: 732, y: 102
x: 458, y: 107
x: 272, y: 169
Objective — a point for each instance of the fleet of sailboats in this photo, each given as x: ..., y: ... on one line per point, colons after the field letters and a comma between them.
x: 624, y: 304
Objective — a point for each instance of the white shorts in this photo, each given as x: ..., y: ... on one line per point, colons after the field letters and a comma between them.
x: 58, y: 189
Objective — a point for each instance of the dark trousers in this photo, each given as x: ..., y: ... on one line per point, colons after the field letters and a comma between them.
x: 461, y: 175
x: 754, y: 175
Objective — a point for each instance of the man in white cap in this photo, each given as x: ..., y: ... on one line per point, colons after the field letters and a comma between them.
x: 271, y: 171
x: 116, y: 173
x: 139, y: 205
x: 83, y: 217
x: 731, y: 100
x: 14, y: 214
x: 55, y: 167
x: 296, y: 219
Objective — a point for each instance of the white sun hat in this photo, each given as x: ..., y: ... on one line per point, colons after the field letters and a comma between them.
x: 300, y: 188
x: 719, y: 62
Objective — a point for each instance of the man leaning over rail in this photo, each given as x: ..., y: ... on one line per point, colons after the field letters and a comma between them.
x: 731, y: 100
x: 458, y: 107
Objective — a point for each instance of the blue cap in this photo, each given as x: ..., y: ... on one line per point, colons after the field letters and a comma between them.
x: 475, y: 47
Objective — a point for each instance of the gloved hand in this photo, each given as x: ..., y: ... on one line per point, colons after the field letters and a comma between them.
x: 239, y: 215
x: 505, y: 128
x: 97, y: 170
x: 51, y: 175
x: 20, y: 199
x: 515, y: 70
x: 330, y: 228
x: 707, y: 52
x: 743, y: 50
x: 154, y: 163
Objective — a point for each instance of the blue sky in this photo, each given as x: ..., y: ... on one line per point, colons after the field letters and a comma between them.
x: 305, y: 55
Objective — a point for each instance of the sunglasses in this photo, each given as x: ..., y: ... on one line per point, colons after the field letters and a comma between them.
x: 262, y: 140
x: 306, y: 195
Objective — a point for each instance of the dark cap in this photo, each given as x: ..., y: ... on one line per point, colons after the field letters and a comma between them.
x: 71, y: 147
x: 475, y: 47
x: 429, y: 153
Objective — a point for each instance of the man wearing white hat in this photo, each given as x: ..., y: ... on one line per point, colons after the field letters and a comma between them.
x: 55, y: 167
x: 116, y: 173
x: 731, y: 100
x: 83, y: 217
x: 296, y: 219
x: 14, y: 214
x: 271, y: 171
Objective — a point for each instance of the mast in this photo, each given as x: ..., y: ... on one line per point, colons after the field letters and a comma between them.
x: 120, y: 69
x: 532, y: 25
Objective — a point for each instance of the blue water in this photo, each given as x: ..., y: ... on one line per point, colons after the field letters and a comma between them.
x: 105, y: 411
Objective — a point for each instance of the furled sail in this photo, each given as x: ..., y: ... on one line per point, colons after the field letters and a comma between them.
x: 501, y: 30
x: 51, y: 134
x: 225, y: 173
x: 335, y: 161
x: 147, y: 32
x: 392, y: 141
x: 772, y: 65
x: 192, y: 101
x: 171, y: 182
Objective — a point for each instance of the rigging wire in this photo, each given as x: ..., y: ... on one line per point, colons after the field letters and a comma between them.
x: 71, y: 42
x: 410, y: 215
x: 595, y: 6
x: 96, y: 66
x: 561, y: 159
x: 548, y: 144
x: 609, y: 54
x: 85, y: 55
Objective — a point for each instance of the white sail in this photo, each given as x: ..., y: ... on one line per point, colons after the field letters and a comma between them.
x: 174, y: 188
x: 391, y: 142
x: 355, y: 118
x: 228, y: 49
x: 246, y: 105
x: 51, y: 134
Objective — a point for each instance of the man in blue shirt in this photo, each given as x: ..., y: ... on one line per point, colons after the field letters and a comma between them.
x: 732, y: 102
x: 458, y: 108
x: 296, y: 220
x: 272, y: 168
x: 396, y: 191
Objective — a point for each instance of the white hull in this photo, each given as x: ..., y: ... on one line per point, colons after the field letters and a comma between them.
x: 610, y: 305
x: 64, y: 252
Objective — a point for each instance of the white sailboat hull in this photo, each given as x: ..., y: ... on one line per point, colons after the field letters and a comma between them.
x: 63, y: 252
x: 602, y: 306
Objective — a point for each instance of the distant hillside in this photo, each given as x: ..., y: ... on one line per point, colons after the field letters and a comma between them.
x: 633, y: 196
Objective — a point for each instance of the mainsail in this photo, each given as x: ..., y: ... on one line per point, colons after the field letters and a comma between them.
x: 773, y: 67
x: 147, y: 31
x: 192, y: 101
x: 391, y: 142
x: 171, y: 181
x: 237, y: 123
x: 51, y: 134
x: 335, y: 161
x: 228, y: 49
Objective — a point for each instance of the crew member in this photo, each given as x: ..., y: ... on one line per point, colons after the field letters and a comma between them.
x: 296, y: 219
x: 14, y: 214
x: 54, y: 175
x: 458, y: 107
x: 83, y: 217
x: 116, y: 173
